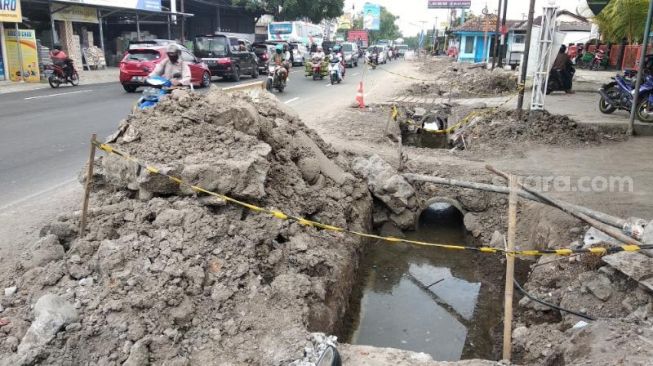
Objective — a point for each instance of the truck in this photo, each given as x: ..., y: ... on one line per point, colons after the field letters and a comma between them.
x: 356, y: 35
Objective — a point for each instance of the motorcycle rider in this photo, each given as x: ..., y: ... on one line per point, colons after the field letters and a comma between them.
x: 563, y: 67
x: 280, y: 60
x: 337, y: 51
x: 173, y: 65
x: 60, y: 59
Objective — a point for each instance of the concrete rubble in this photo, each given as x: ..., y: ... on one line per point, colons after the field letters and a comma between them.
x: 169, y: 276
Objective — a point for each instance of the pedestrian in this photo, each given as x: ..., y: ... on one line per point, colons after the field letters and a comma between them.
x: 564, y: 69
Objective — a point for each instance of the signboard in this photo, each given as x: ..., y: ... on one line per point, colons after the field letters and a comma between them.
x: 2, y: 63
x: 10, y: 11
x: 344, y: 22
x: 81, y: 14
x: 449, y: 4
x: 597, y: 5
x: 151, y: 5
x: 29, y: 55
x: 371, y: 16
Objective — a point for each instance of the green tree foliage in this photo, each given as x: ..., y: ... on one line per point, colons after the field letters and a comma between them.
x: 622, y: 18
x: 388, y: 28
x: 315, y: 10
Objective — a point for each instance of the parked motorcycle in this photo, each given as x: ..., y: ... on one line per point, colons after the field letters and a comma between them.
x: 334, y: 70
x: 57, y: 75
x: 276, y: 78
x: 598, y: 61
x: 618, y: 94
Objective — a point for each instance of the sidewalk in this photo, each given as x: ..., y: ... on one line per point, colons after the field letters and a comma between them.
x: 110, y: 74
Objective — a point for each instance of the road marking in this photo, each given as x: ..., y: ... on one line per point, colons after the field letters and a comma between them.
x: 356, y: 74
x: 58, y: 94
x: 33, y: 195
x: 328, y: 85
x: 291, y: 100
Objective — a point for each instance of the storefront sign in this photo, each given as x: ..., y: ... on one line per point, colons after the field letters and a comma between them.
x: 151, y: 5
x: 371, y: 16
x: 449, y: 4
x: 28, y: 53
x: 81, y: 14
x: 10, y: 11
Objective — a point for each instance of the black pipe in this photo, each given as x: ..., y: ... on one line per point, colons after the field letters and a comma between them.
x: 553, y: 306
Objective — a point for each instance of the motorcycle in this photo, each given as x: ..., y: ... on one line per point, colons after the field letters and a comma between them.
x: 317, y: 68
x: 598, y: 61
x: 276, y: 78
x: 555, y: 82
x: 158, y: 87
x: 373, y: 60
x: 57, y: 75
x: 334, y: 70
x: 618, y: 94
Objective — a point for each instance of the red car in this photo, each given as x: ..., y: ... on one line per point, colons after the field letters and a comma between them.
x: 138, y: 63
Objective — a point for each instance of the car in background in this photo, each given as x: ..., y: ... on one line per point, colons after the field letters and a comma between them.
x: 402, y: 49
x: 263, y: 54
x: 300, y: 54
x: 350, y: 52
x: 227, y: 57
x: 139, y: 62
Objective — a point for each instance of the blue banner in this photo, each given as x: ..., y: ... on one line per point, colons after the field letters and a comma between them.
x: 371, y: 16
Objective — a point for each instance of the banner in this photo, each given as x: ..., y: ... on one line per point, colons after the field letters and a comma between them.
x: 449, y: 4
x: 371, y: 16
x: 74, y: 13
x: 29, y: 55
x: 151, y: 5
x: 10, y: 11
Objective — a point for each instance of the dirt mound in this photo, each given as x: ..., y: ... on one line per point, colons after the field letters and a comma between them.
x: 458, y: 80
x: 503, y: 129
x: 167, y: 275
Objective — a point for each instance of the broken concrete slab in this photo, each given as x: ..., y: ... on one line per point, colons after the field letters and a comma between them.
x: 637, y: 266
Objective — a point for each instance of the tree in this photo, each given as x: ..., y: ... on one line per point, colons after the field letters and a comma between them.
x: 622, y: 18
x: 315, y: 10
x: 388, y: 29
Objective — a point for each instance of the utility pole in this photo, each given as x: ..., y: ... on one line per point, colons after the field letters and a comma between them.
x: 642, y: 58
x: 496, y: 36
x: 504, y: 32
x: 183, y: 22
x: 524, y: 64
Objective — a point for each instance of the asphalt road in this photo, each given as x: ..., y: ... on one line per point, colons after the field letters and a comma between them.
x: 44, y: 134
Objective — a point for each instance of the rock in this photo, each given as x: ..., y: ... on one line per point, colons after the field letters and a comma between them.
x: 519, y: 333
x: 183, y: 313
x: 109, y: 256
x: 10, y: 291
x: 385, y: 183
x: 473, y: 224
x: 12, y: 343
x: 64, y: 231
x: 635, y: 265
x: 600, y: 287
x: 45, y: 250
x: 406, y: 220
x: 310, y: 168
x: 139, y: 354
x: 169, y: 218
x: 51, y: 313
x: 88, y: 281
x: 647, y: 238
x: 497, y: 240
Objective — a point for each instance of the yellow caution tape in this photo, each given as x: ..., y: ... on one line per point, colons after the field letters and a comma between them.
x: 302, y: 221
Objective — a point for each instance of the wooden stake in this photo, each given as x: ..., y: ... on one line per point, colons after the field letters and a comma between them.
x: 510, y: 269
x: 87, y: 188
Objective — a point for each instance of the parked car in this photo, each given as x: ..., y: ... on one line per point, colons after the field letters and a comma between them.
x: 227, y: 57
x: 138, y: 63
x: 300, y: 54
x: 263, y: 54
x: 350, y: 53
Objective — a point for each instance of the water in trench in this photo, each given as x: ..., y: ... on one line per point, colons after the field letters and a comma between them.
x: 441, y: 302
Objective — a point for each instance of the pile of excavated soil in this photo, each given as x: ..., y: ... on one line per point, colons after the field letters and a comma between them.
x: 500, y: 130
x: 458, y: 80
x: 166, y: 275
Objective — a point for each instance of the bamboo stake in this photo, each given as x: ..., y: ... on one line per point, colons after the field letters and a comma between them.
x: 87, y: 188
x: 611, y: 231
x: 510, y: 269
x: 603, y: 217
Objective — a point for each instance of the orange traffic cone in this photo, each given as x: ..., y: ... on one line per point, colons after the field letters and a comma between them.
x: 359, y: 96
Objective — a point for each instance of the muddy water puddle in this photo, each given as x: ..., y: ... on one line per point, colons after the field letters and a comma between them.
x: 439, y: 302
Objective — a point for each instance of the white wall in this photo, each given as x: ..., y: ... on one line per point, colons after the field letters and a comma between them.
x: 576, y: 37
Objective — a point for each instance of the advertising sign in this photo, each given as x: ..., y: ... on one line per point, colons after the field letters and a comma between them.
x: 371, y: 16
x: 2, y: 64
x: 449, y: 4
x: 151, y: 5
x: 81, y: 14
x: 28, y: 53
x: 10, y: 11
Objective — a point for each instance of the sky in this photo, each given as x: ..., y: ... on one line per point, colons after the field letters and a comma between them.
x: 412, y: 12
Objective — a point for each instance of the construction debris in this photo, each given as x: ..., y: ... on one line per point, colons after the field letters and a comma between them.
x: 166, y: 275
